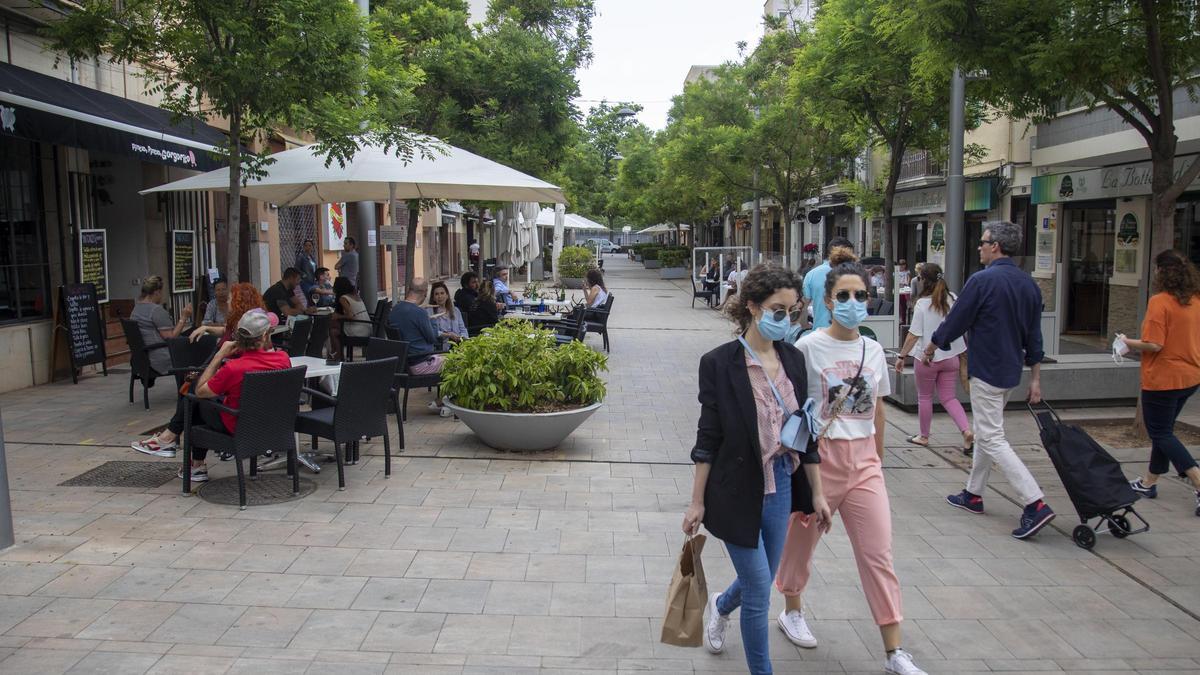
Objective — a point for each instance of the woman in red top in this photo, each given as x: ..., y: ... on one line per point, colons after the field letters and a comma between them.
x: 1170, y: 347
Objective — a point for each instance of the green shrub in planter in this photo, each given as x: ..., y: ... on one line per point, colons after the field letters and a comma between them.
x: 515, y: 367
x: 672, y: 258
x: 650, y: 253
x: 575, y: 261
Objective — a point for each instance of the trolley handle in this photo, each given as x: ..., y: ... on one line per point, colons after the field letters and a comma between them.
x: 1034, y: 412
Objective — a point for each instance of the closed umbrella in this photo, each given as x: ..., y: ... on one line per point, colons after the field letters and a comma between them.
x: 529, y: 245
x: 560, y: 213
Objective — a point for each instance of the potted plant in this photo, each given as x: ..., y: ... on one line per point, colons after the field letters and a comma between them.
x: 673, y: 264
x: 561, y: 292
x: 573, y: 265
x: 517, y: 389
x: 650, y: 257
x: 533, y: 291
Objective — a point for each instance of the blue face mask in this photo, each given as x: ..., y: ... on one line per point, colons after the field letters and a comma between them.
x: 794, y: 333
x: 771, y: 329
x: 850, y: 313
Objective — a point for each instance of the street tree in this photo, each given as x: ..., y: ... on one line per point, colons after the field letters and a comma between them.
x: 1139, y: 58
x: 313, y: 66
x: 860, y: 69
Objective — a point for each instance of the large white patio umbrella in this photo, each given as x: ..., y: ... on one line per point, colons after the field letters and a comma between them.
x: 530, y: 247
x: 299, y: 177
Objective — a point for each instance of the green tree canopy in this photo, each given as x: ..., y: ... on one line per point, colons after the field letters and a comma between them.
x: 259, y: 65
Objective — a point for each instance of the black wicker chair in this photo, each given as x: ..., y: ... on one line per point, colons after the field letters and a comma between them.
x: 597, y: 319
x: 189, y: 357
x: 298, y: 341
x: 266, y: 422
x: 407, y: 381
x: 318, y: 336
x: 709, y: 296
x: 360, y: 409
x: 378, y: 322
x: 139, y: 360
x: 380, y: 348
x: 573, y: 327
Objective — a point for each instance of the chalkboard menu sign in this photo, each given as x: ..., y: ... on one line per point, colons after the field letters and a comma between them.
x: 183, y: 261
x: 79, y: 317
x: 93, y: 261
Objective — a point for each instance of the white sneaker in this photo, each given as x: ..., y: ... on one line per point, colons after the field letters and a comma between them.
x: 901, y: 663
x: 714, y: 627
x: 152, y: 446
x: 796, y: 628
x: 433, y: 405
x: 445, y: 412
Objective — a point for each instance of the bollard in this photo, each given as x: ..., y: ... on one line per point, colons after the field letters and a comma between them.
x: 6, y: 522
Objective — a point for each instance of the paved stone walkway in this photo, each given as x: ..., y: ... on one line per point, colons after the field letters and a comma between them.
x: 469, y: 560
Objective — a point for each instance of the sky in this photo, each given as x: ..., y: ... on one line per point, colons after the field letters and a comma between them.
x: 643, y: 48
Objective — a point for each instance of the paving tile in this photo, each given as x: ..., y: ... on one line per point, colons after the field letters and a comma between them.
x: 453, y: 596
x: 404, y: 632
x: 334, y: 629
x: 260, y: 588
x: 590, y: 600
x: 323, y: 560
x: 380, y: 563
x: 528, y: 598
x: 327, y: 592
x: 197, y: 624
x: 114, y: 663
x: 142, y: 583
x: 265, y: 627
x: 393, y: 595
x: 474, y: 634
x: 39, y: 661
x: 15, y: 608
x: 129, y: 620
x: 62, y: 618
x: 439, y: 565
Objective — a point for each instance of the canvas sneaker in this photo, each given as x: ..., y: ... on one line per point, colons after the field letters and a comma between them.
x: 714, y: 628
x: 966, y: 501
x: 1149, y: 492
x: 796, y: 628
x: 199, y: 474
x: 153, y: 446
x: 1036, y: 516
x: 900, y: 662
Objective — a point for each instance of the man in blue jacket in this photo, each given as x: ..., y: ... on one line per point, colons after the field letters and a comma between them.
x: 1001, y: 309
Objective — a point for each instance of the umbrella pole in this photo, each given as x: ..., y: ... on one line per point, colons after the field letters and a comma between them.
x: 396, y: 278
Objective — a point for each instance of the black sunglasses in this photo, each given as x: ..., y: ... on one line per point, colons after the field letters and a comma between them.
x: 781, y: 314
x: 843, y: 296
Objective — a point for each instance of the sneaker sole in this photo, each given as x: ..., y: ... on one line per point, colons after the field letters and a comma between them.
x: 965, y: 508
x: 1036, y: 527
x: 807, y: 644
x: 153, y: 453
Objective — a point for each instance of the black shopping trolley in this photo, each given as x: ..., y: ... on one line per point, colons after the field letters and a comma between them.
x: 1093, y: 479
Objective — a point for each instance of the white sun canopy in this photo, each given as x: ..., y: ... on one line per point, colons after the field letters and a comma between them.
x: 299, y: 176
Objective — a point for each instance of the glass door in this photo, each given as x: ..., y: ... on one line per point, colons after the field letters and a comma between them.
x: 1091, y: 233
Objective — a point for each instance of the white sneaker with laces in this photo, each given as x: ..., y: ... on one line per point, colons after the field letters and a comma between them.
x: 433, y: 405
x: 714, y: 627
x: 900, y: 662
x: 152, y: 446
x: 796, y: 628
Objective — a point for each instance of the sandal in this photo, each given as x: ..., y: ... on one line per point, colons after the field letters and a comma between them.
x: 913, y: 439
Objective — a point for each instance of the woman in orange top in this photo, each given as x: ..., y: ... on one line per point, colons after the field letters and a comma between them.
x: 1170, y: 347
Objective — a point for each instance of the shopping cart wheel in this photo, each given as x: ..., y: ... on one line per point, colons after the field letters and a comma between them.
x: 1119, y: 526
x: 1083, y: 536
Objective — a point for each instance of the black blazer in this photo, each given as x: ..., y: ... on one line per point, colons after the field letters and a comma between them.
x: 727, y: 438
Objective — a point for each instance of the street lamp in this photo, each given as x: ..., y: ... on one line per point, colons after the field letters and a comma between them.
x: 955, y: 181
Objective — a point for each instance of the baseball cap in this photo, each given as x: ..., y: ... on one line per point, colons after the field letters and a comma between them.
x: 254, y: 323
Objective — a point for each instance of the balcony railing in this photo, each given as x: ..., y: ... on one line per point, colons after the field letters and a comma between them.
x: 920, y: 164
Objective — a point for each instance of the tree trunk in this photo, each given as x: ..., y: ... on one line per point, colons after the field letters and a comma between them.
x: 410, y: 243
x: 233, y: 241
x: 889, y: 228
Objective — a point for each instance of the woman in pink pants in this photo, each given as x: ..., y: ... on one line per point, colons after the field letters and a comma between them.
x: 947, y: 368
x: 848, y: 377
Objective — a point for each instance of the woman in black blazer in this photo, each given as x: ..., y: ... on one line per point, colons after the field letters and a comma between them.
x: 745, y: 494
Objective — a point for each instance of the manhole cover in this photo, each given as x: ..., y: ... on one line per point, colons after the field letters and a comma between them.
x: 125, y: 475
x: 268, y: 489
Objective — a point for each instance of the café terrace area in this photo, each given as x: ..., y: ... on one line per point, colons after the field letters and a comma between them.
x: 472, y: 560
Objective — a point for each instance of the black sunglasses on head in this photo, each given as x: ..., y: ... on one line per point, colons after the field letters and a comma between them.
x: 781, y: 314
x: 843, y: 296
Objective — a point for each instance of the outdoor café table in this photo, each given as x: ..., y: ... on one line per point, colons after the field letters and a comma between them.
x: 315, y: 367
x: 536, y: 316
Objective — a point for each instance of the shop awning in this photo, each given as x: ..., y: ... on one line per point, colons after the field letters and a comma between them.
x: 49, y: 110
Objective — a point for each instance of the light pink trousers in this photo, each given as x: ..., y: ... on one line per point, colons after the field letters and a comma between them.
x: 852, y: 478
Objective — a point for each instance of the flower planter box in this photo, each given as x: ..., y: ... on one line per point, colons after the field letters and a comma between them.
x: 652, y: 264
x: 522, y: 431
x: 672, y: 272
x: 637, y: 257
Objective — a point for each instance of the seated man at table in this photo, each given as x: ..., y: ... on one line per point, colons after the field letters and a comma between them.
x: 410, y: 320
x: 465, y: 296
x: 503, y: 292
x: 281, y: 297
x: 249, y: 351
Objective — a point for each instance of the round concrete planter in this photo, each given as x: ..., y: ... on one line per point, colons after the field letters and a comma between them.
x: 522, y: 431
x: 652, y: 264
x: 571, y: 282
x: 672, y: 272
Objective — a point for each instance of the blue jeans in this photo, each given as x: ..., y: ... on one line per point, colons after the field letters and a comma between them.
x: 1160, y: 409
x: 756, y: 567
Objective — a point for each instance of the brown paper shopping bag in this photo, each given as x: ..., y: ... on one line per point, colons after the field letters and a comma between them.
x: 683, y: 623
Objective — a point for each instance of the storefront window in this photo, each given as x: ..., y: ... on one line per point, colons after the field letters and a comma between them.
x: 1187, y: 228
x: 24, y: 269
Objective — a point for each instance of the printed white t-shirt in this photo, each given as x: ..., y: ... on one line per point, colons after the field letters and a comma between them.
x: 831, y: 363
x: 925, y: 321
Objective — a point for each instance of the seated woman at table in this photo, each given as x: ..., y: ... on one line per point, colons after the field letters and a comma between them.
x: 595, y: 293
x: 485, y: 311
x: 446, y: 317
x: 241, y: 302
x: 217, y: 311
x: 350, y: 316
x: 249, y: 351
x: 712, y: 277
